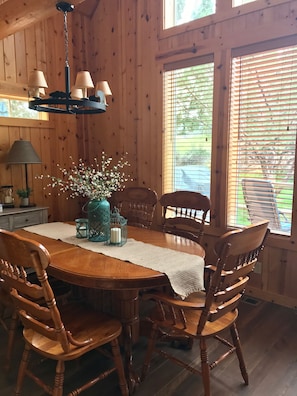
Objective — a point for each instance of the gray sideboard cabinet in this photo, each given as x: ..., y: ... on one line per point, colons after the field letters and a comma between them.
x: 14, y: 218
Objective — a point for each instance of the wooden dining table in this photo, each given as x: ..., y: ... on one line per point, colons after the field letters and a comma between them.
x: 88, y: 269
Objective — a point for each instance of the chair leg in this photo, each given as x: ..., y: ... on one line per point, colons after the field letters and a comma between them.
x: 119, y: 366
x: 22, y: 370
x: 150, y: 347
x: 236, y: 342
x: 59, y: 379
x: 11, y: 338
x: 205, y: 367
x: 2, y: 312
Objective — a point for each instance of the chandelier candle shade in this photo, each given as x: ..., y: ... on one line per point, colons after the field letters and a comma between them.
x: 102, y: 86
x: 75, y: 101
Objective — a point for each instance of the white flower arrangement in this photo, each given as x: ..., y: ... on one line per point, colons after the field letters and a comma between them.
x: 95, y: 181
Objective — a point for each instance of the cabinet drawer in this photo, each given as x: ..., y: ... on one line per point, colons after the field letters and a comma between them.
x: 26, y: 219
x: 4, y: 222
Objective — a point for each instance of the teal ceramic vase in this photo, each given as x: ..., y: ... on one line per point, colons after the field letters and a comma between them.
x: 99, y: 220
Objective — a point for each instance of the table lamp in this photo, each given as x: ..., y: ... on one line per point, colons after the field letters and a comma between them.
x: 22, y: 152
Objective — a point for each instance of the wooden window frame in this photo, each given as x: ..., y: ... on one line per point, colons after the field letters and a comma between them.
x: 232, y: 198
x: 224, y: 11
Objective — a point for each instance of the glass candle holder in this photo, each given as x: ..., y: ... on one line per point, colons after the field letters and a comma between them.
x: 118, y: 229
x: 82, y: 228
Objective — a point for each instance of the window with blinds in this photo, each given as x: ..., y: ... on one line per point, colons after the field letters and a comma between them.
x: 188, y: 109
x: 263, y: 112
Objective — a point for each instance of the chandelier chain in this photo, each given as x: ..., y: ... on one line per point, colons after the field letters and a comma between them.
x: 66, y: 39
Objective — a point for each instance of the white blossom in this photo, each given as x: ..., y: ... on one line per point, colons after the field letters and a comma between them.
x: 94, y: 181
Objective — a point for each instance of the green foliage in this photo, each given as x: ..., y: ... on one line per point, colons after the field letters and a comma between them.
x: 24, y: 193
x: 192, y: 150
x: 15, y: 108
x: 20, y: 109
x: 193, y: 110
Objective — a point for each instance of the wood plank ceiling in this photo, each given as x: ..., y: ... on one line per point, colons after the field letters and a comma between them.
x: 16, y: 15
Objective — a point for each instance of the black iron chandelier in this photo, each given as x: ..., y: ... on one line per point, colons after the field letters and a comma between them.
x: 70, y: 101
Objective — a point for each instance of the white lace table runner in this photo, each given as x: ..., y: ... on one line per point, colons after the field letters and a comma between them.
x: 184, y: 271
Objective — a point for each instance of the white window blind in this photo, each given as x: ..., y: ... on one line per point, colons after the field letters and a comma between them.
x: 188, y: 106
x: 263, y: 112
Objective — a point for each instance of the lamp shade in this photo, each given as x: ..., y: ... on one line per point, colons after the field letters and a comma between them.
x: 37, y: 79
x: 84, y: 80
x: 22, y: 152
x: 104, y: 87
x: 76, y: 93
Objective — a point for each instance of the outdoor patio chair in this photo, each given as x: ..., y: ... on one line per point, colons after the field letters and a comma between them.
x: 260, y: 199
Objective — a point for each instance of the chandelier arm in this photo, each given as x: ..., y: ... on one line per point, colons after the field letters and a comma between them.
x: 67, y: 106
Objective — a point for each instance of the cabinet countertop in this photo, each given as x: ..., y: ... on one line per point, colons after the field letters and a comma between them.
x: 17, y: 210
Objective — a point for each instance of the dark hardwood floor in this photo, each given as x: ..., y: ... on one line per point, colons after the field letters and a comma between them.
x: 268, y: 334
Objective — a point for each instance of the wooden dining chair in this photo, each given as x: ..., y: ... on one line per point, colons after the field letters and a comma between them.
x: 9, y: 318
x: 136, y: 204
x: 9, y: 321
x: 61, y: 333
x: 184, y: 214
x: 205, y: 315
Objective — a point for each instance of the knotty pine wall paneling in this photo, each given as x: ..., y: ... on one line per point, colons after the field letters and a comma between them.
x: 149, y: 96
x: 113, y: 55
x: 33, y: 59
x: 2, y: 64
x: 132, y: 122
x: 21, y: 64
x: 9, y: 54
x: 5, y: 173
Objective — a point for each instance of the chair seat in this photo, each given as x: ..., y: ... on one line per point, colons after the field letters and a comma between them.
x: 210, y: 328
x: 97, y: 327
x: 192, y: 318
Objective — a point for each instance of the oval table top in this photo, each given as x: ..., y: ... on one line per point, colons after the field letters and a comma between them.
x: 90, y: 269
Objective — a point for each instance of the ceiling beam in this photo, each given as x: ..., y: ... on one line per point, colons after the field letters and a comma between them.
x: 15, y: 16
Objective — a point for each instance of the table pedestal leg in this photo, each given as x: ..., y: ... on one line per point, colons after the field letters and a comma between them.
x: 127, y: 310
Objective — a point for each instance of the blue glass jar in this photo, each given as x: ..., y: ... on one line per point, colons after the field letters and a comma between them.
x: 99, y: 220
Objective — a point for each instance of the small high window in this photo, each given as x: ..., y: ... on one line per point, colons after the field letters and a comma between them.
x: 178, y: 12
x: 236, y: 3
x: 18, y: 108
